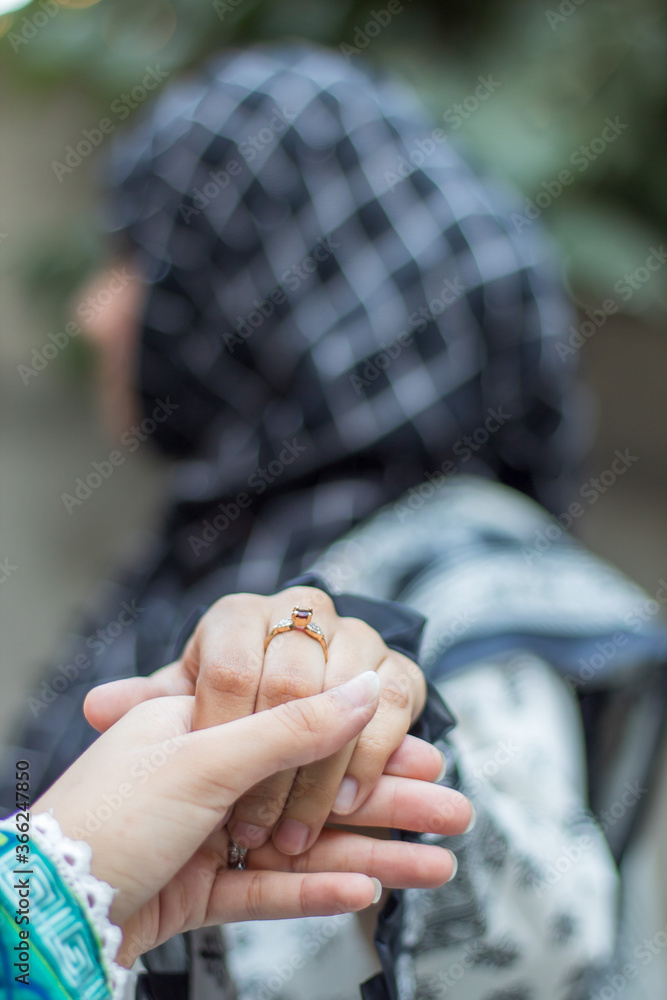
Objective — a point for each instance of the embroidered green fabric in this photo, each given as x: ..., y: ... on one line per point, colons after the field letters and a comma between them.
x: 48, y: 947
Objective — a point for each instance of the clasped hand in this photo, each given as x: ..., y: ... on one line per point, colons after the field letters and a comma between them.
x: 272, y: 779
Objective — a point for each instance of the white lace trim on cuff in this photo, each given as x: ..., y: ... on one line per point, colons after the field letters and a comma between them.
x: 72, y: 858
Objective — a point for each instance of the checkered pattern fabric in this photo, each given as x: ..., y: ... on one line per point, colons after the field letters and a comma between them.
x: 309, y: 284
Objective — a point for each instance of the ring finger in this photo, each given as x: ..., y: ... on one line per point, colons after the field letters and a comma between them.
x: 294, y: 667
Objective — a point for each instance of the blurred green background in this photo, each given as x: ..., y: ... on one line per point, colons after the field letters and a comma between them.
x: 559, y: 71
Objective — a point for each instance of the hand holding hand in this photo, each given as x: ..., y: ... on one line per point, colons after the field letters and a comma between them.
x: 165, y: 849
x: 231, y: 676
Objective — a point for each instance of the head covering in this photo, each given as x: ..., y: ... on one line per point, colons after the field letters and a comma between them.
x: 337, y: 306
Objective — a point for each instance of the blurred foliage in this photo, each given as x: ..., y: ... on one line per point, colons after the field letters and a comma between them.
x: 561, y: 70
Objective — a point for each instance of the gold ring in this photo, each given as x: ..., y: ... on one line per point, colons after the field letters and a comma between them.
x: 301, y: 621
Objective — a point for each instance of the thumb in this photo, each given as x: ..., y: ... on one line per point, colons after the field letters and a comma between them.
x: 107, y: 703
x: 234, y: 756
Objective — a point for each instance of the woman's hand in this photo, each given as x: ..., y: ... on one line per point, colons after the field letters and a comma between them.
x: 224, y: 665
x: 152, y: 797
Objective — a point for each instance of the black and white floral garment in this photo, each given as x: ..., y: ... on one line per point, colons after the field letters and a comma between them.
x: 510, y: 643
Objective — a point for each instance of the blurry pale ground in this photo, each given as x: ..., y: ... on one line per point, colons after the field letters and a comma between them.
x: 51, y: 433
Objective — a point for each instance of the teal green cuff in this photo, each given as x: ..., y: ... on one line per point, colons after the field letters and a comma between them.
x: 61, y: 958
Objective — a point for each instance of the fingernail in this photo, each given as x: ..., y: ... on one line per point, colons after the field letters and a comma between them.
x: 346, y: 795
x: 291, y: 836
x: 455, y: 865
x: 361, y: 689
x: 378, y: 889
x: 473, y: 819
x: 248, y: 835
x: 443, y: 769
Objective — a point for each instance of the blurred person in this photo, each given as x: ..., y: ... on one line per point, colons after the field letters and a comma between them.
x: 349, y: 353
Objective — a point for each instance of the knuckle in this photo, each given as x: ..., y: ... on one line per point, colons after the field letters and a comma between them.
x: 262, y: 805
x: 300, y: 717
x: 361, y: 631
x: 252, y: 801
x: 299, y: 864
x: 374, y: 852
x: 304, y: 897
x: 409, y: 667
x: 234, y: 675
x: 396, y: 694
x: 231, y: 603
x: 288, y: 685
x: 372, y: 749
x: 255, y: 897
x: 319, y: 802
x: 404, y: 686
x: 269, y: 808
x: 268, y: 813
x: 305, y: 784
x: 229, y: 607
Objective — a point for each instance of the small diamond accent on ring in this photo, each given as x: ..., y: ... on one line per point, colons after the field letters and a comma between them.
x: 300, y: 621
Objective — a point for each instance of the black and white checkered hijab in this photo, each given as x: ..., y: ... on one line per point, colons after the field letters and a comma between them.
x: 330, y: 328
